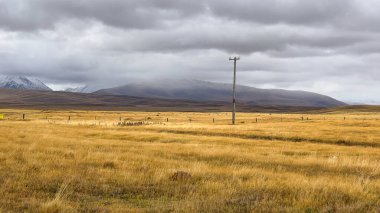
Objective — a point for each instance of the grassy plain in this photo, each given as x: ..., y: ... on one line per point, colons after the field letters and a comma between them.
x: 79, y: 161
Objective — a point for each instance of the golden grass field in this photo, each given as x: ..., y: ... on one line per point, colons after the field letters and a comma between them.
x: 328, y: 162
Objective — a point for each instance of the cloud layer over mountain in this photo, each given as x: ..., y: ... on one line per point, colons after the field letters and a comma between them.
x: 330, y: 47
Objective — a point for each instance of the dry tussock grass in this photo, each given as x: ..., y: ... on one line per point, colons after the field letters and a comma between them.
x: 325, y: 164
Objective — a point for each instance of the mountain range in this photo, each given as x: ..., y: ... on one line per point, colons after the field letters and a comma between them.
x: 21, y: 82
x: 190, y: 90
x: 208, y: 91
x: 81, y: 89
x: 37, y: 99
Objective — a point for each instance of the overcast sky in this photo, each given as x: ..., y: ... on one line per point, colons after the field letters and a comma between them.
x: 326, y: 46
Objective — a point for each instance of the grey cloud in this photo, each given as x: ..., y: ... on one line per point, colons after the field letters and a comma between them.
x: 141, y: 14
x: 297, y: 44
x: 147, y: 14
x: 273, y: 11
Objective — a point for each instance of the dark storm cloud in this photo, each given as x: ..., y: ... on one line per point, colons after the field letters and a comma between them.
x: 256, y: 38
x: 36, y: 14
x: 299, y: 12
x: 42, y: 14
x: 323, y: 46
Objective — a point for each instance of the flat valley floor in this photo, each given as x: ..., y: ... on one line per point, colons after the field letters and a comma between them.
x: 99, y: 161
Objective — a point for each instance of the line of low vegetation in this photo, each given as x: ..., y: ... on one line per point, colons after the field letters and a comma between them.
x: 341, y: 142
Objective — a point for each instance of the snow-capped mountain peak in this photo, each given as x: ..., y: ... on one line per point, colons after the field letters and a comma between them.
x: 22, y: 82
x: 82, y: 89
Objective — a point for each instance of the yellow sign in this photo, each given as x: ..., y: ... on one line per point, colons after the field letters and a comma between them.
x: 1, y: 116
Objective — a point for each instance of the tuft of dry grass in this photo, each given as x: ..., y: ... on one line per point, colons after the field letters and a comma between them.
x: 196, y: 162
x: 58, y: 203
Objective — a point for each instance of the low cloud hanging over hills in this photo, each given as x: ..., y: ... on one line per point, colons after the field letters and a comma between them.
x: 329, y: 47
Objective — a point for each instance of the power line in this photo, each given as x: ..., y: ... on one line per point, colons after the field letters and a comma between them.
x: 235, y: 59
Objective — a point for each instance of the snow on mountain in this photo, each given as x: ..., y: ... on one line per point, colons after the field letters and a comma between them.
x: 21, y: 82
x: 82, y: 89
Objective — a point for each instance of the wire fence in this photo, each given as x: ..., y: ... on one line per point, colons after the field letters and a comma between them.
x: 125, y: 118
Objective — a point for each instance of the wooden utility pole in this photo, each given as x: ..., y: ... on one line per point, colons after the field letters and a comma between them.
x: 235, y: 59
